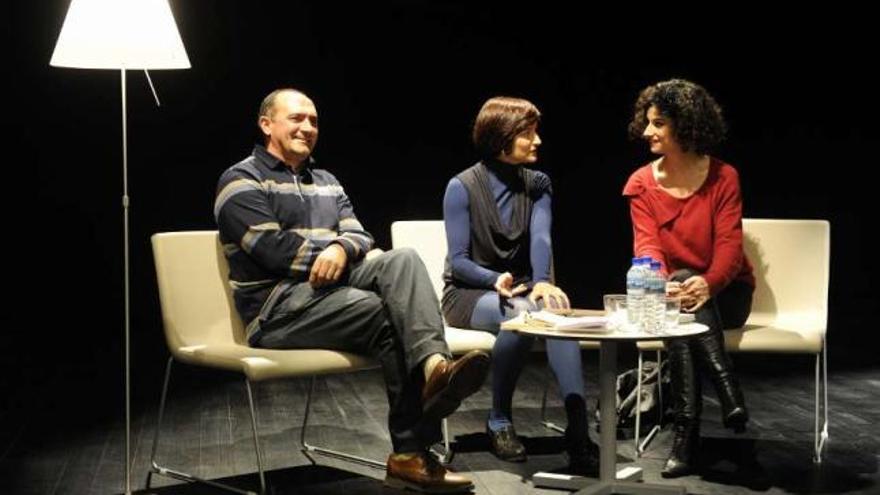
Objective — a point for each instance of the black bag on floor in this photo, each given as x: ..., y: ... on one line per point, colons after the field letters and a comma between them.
x: 655, y: 382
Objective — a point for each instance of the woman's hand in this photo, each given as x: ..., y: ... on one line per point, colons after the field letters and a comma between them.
x: 553, y: 296
x: 673, y: 289
x: 694, y: 293
x: 504, y: 286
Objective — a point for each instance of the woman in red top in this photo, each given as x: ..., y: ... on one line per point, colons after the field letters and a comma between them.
x: 686, y: 212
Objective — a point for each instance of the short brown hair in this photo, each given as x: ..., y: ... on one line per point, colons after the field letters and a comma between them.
x: 500, y: 120
x: 268, y: 104
x: 697, y: 122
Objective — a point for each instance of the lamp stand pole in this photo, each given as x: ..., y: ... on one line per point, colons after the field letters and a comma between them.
x: 125, y: 202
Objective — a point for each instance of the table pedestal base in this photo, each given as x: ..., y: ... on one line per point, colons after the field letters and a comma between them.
x: 630, y: 488
x: 572, y: 482
x: 627, y: 483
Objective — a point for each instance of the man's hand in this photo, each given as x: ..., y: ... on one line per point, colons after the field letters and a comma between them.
x: 553, y: 296
x: 504, y: 286
x: 328, y: 266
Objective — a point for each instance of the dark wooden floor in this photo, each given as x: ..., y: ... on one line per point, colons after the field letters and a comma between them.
x: 76, y: 447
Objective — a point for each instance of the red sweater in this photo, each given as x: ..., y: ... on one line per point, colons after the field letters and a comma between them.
x: 702, y: 232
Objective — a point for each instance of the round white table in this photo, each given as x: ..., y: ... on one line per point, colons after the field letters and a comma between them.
x: 610, y: 481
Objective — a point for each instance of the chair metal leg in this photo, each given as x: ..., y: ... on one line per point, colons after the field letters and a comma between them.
x: 308, y: 449
x: 153, y: 463
x: 544, y: 421
x: 444, y: 454
x: 156, y: 468
x: 446, y: 439
x: 259, y: 452
x: 660, y: 387
x: 820, y: 438
x: 642, y: 446
x: 637, y: 435
x: 305, y: 447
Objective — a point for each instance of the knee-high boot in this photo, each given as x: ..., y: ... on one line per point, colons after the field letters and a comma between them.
x: 687, y: 400
x: 710, y: 346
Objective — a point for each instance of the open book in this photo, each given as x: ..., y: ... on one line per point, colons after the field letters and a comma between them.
x: 559, y: 322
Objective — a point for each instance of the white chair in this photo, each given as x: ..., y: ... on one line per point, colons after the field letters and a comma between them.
x: 202, y: 328
x: 789, y: 315
x: 428, y: 238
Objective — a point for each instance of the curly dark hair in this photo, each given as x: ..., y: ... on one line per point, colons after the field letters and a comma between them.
x: 695, y: 117
x: 500, y: 120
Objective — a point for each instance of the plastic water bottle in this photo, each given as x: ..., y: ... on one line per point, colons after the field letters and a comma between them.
x: 648, y: 300
x: 655, y: 299
x: 635, y: 293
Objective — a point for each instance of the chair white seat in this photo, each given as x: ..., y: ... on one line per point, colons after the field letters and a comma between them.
x: 462, y: 340
x: 270, y: 364
x: 789, y: 336
x: 791, y: 339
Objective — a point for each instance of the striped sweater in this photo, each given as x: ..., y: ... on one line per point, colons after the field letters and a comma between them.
x: 274, y: 222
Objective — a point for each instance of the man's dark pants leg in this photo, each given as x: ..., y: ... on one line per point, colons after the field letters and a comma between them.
x: 386, y: 310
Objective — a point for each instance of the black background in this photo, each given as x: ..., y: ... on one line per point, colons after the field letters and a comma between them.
x: 397, y: 85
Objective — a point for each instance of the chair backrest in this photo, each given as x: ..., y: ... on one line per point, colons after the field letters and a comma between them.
x: 196, y: 299
x: 791, y: 259
x: 428, y: 238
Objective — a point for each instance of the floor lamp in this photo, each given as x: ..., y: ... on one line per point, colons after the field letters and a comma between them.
x: 121, y: 35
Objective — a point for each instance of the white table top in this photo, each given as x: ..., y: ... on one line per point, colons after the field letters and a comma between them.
x: 683, y: 330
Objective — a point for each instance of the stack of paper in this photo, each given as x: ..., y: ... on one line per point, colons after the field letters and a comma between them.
x: 558, y: 322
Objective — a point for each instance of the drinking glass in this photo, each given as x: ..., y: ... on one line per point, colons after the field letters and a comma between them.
x: 615, y: 310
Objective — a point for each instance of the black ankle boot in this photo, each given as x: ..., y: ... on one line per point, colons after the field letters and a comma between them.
x: 685, y: 444
x: 734, y: 414
x: 506, y: 445
x: 583, y: 454
x: 583, y: 459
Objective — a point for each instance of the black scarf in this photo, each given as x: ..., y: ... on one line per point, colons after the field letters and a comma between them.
x: 494, y: 245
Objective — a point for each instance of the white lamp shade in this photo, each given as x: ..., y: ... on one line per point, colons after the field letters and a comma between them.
x: 120, y: 34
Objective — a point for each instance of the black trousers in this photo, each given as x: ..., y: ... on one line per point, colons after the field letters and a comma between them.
x: 384, y: 308
x: 704, y: 354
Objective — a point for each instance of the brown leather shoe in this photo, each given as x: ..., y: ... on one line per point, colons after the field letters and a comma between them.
x: 423, y: 473
x: 451, y: 382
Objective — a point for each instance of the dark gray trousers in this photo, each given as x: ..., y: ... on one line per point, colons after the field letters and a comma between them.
x: 384, y: 308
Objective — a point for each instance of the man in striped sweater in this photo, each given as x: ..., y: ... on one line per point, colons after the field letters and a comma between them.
x: 297, y: 252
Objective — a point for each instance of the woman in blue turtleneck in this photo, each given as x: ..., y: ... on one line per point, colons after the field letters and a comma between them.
x: 497, y: 216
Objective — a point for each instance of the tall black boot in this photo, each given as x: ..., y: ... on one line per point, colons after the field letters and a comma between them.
x: 685, y: 445
x: 734, y: 414
x: 583, y: 453
x: 687, y: 401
